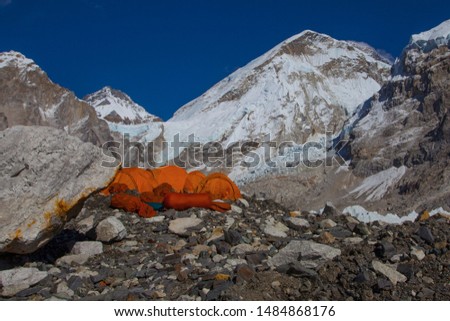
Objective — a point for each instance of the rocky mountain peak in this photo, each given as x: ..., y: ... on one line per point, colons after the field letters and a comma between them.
x: 29, y: 97
x: 15, y: 59
x: 117, y: 107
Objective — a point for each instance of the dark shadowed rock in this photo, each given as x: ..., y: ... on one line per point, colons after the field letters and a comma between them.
x: 425, y: 234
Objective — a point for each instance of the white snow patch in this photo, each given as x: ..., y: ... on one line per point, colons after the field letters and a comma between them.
x: 363, y: 215
x: 16, y: 59
x: 442, y: 30
x: 376, y: 186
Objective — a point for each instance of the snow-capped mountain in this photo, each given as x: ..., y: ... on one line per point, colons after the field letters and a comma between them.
x: 399, y: 142
x: 29, y: 97
x: 117, y: 107
x: 303, y: 87
x: 124, y: 116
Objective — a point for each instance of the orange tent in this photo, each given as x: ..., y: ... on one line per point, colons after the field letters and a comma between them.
x: 156, y: 183
x: 219, y: 186
x: 135, y: 179
x: 173, y: 175
x: 193, y: 179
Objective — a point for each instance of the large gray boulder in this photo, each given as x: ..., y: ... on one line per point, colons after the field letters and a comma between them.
x: 46, y: 175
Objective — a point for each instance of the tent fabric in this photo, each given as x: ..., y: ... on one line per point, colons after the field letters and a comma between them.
x: 181, y: 202
x: 193, y: 179
x: 133, y: 204
x: 220, y: 187
x: 157, y: 196
x: 134, y: 178
x: 173, y: 175
x: 115, y: 188
x: 154, y: 185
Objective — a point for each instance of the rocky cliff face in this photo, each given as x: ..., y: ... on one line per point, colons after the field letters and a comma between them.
x: 29, y: 97
x: 407, y: 123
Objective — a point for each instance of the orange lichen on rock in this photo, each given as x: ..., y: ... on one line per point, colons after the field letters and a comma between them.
x: 17, y: 234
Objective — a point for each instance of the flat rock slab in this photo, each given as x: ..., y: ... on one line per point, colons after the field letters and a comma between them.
x: 18, y: 279
x: 45, y: 175
x: 311, y: 254
x: 388, y: 272
x: 181, y: 226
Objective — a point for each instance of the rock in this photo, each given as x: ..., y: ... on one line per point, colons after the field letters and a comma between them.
x: 418, y: 254
x: 362, y: 277
x: 242, y: 249
x: 350, y: 219
x: 110, y: 230
x: 216, y: 234
x: 201, y: 248
x: 425, y: 215
x: 64, y: 290
x: 229, y: 222
x: 180, y: 226
x: 256, y: 258
x: 54, y: 271
x: 244, y: 202
x: 327, y: 238
x: 245, y: 272
x: 155, y: 219
x: 353, y: 240
x: 298, y: 270
x: 89, y: 248
x: 384, y: 284
x: 340, y: 232
x: 362, y: 229
x: 297, y: 223
x: 275, y: 229
x: 311, y: 254
x: 236, y: 209
x: 425, y: 234
x: 45, y: 103
x: 222, y: 247
x: 330, y: 210
x: 232, y: 237
x: 46, y: 175
x: 218, y: 258
x: 385, y: 249
x: 72, y: 259
x: 327, y: 223
x: 18, y: 279
x: 397, y: 258
x: 388, y: 272
x: 235, y: 262
x: 85, y: 225
x: 275, y: 284
x: 426, y: 293
x: 407, y: 270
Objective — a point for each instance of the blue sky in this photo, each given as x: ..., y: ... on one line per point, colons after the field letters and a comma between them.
x: 166, y: 53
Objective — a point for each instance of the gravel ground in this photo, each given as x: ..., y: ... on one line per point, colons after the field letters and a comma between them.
x: 257, y: 251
